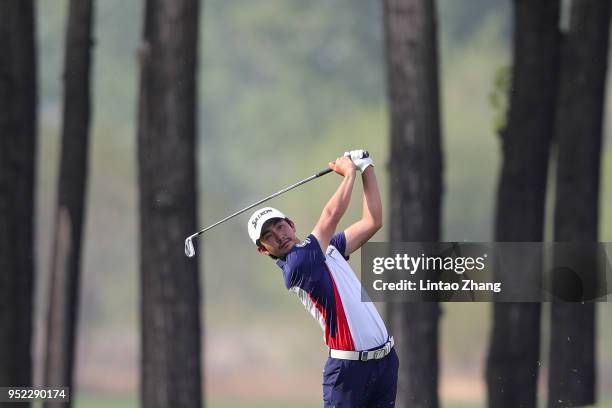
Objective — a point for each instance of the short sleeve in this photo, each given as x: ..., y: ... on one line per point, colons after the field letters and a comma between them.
x: 339, y: 241
x: 304, y: 264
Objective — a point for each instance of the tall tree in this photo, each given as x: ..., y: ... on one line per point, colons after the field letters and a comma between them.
x: 17, y: 181
x: 579, y: 122
x: 65, y: 268
x: 170, y: 287
x: 513, y: 360
x: 416, y: 181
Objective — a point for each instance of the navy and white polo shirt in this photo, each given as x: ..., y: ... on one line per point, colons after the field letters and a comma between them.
x: 330, y: 291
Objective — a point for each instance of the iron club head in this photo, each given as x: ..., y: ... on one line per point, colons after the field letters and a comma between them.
x: 189, y: 248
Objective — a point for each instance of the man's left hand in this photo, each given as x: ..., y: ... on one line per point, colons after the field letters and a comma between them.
x: 361, y: 158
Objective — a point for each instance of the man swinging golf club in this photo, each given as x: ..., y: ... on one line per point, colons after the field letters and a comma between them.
x: 361, y: 370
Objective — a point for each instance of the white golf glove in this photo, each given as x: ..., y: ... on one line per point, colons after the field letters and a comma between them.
x: 360, y: 158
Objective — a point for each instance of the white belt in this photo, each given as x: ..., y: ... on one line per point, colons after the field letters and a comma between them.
x: 363, y: 355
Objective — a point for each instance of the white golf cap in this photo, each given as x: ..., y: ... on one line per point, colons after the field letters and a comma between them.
x: 259, y: 218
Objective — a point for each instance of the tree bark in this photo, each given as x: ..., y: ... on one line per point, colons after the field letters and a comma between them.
x: 65, y: 268
x: 170, y: 287
x: 416, y: 182
x: 17, y: 181
x: 579, y: 125
x: 513, y: 360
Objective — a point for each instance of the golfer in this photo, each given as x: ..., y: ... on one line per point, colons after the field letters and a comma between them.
x: 361, y: 370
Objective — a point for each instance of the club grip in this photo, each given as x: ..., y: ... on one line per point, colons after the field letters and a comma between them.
x: 324, y: 172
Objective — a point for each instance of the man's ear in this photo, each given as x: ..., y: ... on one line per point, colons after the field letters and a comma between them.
x: 262, y: 250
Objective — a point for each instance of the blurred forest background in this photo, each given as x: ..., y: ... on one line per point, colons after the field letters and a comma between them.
x: 285, y: 86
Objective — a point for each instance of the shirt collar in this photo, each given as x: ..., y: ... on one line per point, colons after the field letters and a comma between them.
x: 282, y: 261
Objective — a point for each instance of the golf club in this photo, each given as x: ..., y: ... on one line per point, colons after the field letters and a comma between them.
x: 190, y: 249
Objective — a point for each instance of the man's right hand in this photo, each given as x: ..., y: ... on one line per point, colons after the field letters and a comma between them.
x: 343, y: 166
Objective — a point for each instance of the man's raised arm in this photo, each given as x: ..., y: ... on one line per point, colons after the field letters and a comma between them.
x: 372, y: 216
x: 337, y: 205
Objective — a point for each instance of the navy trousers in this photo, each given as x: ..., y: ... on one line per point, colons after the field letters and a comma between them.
x: 360, y: 384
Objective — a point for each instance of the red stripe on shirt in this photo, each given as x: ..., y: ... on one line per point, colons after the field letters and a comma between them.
x: 344, y: 338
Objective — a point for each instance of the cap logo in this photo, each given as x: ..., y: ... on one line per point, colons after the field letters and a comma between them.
x: 261, y: 214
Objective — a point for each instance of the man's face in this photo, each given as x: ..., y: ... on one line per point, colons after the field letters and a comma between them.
x: 277, y: 237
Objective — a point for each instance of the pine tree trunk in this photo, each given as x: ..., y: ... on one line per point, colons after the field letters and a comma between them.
x: 513, y: 360
x: 17, y: 181
x: 170, y: 287
x: 65, y: 268
x: 416, y: 182
x: 579, y: 134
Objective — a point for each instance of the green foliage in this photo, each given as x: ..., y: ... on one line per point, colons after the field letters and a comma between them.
x: 461, y: 20
x: 276, y: 74
x: 499, y: 97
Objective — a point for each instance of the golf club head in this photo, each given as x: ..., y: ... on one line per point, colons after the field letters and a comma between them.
x: 189, y: 248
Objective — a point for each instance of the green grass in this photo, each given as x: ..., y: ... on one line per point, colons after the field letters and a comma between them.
x: 260, y: 404
x: 99, y: 401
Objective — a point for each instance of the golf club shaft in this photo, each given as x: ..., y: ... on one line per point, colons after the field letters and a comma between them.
x: 299, y: 183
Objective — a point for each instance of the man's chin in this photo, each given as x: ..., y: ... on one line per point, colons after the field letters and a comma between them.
x: 285, y: 250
